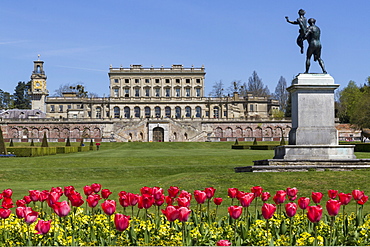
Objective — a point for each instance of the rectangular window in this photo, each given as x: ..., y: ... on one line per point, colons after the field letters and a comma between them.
x: 177, y: 80
x: 52, y: 108
x: 187, y: 80
x: 147, y: 92
x: 137, y: 92
x: 250, y: 107
x: 61, y: 108
x: 198, y: 80
x: 197, y: 91
x: 156, y: 80
x: 178, y: 92
x: 127, y: 80
x: 187, y: 92
x: 147, y: 80
x: 207, y: 113
x: 116, y: 92
x: 127, y: 92
x: 137, y: 80
x: 168, y: 90
x: 69, y: 107
x: 157, y: 92
x: 167, y: 80
x: 115, y: 80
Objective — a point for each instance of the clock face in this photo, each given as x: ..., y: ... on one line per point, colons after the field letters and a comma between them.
x: 37, y: 84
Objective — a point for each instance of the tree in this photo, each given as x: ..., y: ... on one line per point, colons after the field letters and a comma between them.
x: 348, y: 99
x: 218, y: 89
x: 281, y: 94
x: 239, y: 87
x: 79, y: 89
x: 21, y: 98
x: 6, y: 100
x: 256, y: 86
x: 288, y: 108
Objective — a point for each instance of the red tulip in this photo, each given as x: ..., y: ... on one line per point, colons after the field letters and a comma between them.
x: 1, y: 196
x: 173, y: 191
x: 7, y: 193
x: 316, y: 197
x: 109, y: 207
x: 240, y: 194
x: 96, y: 187
x: 223, y: 242
x: 121, y: 222
x: 292, y: 192
x: 232, y: 192
x: 184, y: 213
x: 133, y: 198
x: 44, y: 195
x: 42, y: 227
x: 88, y: 190
x: 332, y: 194
x: 183, y: 202
x: 265, y: 196
x: 34, y: 195
x: 146, y: 190
x: 58, y: 190
x: 303, y: 202
x: 21, y: 212
x: 268, y: 210
x: 4, y: 213
x: 105, y: 193
x: 146, y: 200
x: 20, y: 203
x: 53, y: 198
x: 93, y: 200
x: 344, y: 198
x: 62, y: 209
x: 210, y: 192
x: 160, y: 201
x: 235, y: 211
x: 169, y: 200
x: 200, y: 196
x: 279, y: 197
x: 363, y: 200
x: 314, y: 213
x: 357, y: 194
x: 291, y: 209
x: 333, y: 206
x: 157, y: 193
x: 186, y: 194
x: 123, y: 200
x: 27, y: 199
x: 217, y: 200
x: 7, y: 203
x: 30, y: 216
x: 246, y: 200
x: 257, y: 190
x: 68, y: 190
x: 76, y: 199
x: 171, y: 213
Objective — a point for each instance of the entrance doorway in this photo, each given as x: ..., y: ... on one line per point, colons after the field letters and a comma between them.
x: 158, y: 134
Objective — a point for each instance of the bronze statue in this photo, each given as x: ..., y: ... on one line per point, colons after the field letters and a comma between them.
x: 302, y: 22
x: 314, y: 45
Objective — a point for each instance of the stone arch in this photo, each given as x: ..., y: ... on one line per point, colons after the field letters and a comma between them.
x: 257, y: 132
x: 14, y: 133
x: 238, y: 132
x: 218, y: 132
x: 278, y: 132
x: 86, y: 133
x: 248, y: 132
x: 24, y: 133
x: 96, y: 133
x: 228, y: 132
x: 47, y: 131
x: 35, y: 133
x: 64, y: 133
x: 268, y: 132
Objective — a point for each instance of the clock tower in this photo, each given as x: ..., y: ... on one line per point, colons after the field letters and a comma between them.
x: 38, y: 90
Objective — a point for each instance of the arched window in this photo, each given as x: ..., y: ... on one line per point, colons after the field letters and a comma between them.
x: 216, y: 112
x: 147, y: 111
x: 137, y: 111
x: 126, y: 112
x: 167, y: 111
x: 198, y: 111
x: 98, y: 112
x: 157, y: 111
x: 187, y: 111
x: 116, y: 112
x: 177, y: 112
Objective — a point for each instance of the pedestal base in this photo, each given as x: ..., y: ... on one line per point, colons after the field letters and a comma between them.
x: 315, y: 152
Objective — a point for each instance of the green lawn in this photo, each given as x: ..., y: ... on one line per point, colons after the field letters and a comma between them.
x: 190, y: 166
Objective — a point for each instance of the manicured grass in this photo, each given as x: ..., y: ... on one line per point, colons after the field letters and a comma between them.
x: 190, y: 166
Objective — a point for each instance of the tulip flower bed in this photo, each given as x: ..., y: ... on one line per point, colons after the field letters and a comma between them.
x: 63, y: 216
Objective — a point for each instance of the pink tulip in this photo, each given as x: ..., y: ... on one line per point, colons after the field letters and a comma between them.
x: 184, y: 214
x: 171, y: 213
x: 109, y: 207
x: 93, y: 200
x: 183, y: 202
x: 357, y: 195
x: 265, y: 196
x: 34, y: 195
x: 62, y: 209
x: 235, y: 211
x: 157, y: 193
x: 292, y: 193
x: 210, y: 192
x: 200, y: 196
x: 268, y: 210
x: 291, y: 209
x: 333, y: 206
x: 303, y: 202
x: 4, y: 213
x: 31, y: 216
x: 223, y: 242
x: 314, y: 213
x: 246, y: 200
x: 43, y: 227
x: 121, y: 222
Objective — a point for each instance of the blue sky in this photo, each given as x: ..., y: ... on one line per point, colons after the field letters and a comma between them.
x: 79, y: 40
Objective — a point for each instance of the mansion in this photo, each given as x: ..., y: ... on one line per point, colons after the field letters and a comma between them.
x: 145, y: 104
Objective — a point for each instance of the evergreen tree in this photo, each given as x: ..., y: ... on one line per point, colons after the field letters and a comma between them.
x: 21, y: 98
x: 32, y: 143
x: 68, y: 143
x: 2, y: 144
x: 44, y: 141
